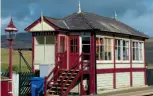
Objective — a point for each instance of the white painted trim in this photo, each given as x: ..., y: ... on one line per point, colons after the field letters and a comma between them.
x: 104, y: 61
x: 42, y: 27
x: 9, y: 28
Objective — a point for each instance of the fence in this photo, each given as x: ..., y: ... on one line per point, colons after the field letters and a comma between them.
x: 24, y: 84
x: 21, y: 84
x: 15, y: 82
x: 149, y: 73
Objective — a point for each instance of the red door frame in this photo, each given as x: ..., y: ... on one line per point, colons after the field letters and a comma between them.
x: 64, y: 53
x: 73, y: 56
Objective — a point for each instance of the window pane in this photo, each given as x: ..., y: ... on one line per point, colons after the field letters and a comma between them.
x: 97, y: 48
x: 118, y: 50
x: 50, y: 39
x: 85, y: 40
x: 62, y: 44
x: 125, y: 50
x: 133, y: 50
x: 71, y: 49
x: 71, y: 42
x: 107, y: 49
x: 137, y: 51
x: 101, y: 52
x: 141, y: 58
x: 40, y: 39
x: 119, y: 53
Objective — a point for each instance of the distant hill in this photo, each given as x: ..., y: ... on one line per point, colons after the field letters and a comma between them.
x: 23, y: 40
x: 149, y: 51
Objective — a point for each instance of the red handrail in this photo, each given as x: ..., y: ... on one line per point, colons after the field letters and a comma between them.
x: 75, y: 67
x: 55, y: 71
x: 72, y: 83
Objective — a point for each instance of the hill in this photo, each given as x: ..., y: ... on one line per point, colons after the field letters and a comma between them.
x: 22, y: 40
x: 149, y: 51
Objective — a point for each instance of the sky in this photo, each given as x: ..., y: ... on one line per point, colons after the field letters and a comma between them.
x: 135, y: 13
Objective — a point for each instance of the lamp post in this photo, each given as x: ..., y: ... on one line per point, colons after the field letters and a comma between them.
x: 10, y: 32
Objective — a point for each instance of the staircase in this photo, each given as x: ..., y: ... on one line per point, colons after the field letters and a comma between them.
x: 63, y: 80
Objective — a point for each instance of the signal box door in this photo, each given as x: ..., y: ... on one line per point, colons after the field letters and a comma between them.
x: 74, y: 51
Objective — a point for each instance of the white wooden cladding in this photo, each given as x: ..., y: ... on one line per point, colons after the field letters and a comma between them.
x: 44, y: 52
x: 105, y: 81
x: 122, y: 79
x: 123, y: 65
x: 138, y: 78
x: 105, y: 66
x: 39, y: 54
x: 138, y: 65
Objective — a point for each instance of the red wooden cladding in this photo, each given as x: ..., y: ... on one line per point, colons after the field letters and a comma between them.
x: 4, y: 88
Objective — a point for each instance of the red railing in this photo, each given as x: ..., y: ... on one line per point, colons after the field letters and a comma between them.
x: 78, y: 66
x: 54, y: 73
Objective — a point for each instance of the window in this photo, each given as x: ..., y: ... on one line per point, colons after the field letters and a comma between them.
x: 125, y: 50
x: 45, y: 40
x: 74, y: 45
x: 62, y: 44
x: 103, y: 48
x: 122, y: 49
x: 137, y: 50
x: 86, y: 47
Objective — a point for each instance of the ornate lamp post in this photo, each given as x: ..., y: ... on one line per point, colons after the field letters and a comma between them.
x: 10, y: 33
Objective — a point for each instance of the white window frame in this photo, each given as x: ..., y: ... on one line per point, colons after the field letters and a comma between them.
x: 123, y: 61
x: 138, y: 61
x: 112, y: 56
x: 80, y: 41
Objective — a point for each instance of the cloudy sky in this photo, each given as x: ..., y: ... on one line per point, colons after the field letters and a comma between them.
x: 136, y: 13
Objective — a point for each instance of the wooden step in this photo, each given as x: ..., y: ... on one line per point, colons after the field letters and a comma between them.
x: 70, y: 70
x: 54, y: 87
x: 64, y: 80
x: 59, y: 84
x: 72, y: 77
x: 68, y: 73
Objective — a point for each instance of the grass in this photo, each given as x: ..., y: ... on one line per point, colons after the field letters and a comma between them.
x: 15, y: 60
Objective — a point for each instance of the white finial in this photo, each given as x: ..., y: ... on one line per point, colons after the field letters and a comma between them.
x: 115, y: 15
x: 41, y: 15
x: 79, y: 7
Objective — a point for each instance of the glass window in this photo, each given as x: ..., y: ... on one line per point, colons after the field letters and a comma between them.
x: 50, y: 39
x: 122, y: 49
x: 103, y: 48
x: 40, y: 40
x: 137, y: 50
x: 86, y: 47
x: 73, y: 45
x: 62, y: 44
